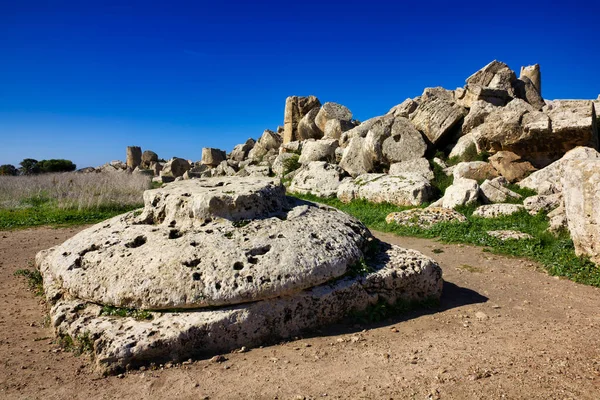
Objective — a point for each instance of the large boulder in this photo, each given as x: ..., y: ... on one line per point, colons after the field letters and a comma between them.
x: 511, y: 166
x: 419, y: 166
x: 283, y: 162
x: 548, y: 180
x: 404, y: 109
x: 437, y: 117
x: 477, y: 170
x: 425, y: 217
x: 332, y: 111
x: 221, y: 263
x: 307, y: 129
x: 240, y: 151
x: 404, y: 142
x: 355, y: 159
x: 334, y: 128
x: 538, y: 137
x: 544, y: 203
x: 526, y: 90
x: 533, y: 73
x: 462, y: 192
x: 497, y: 210
x: 134, y: 157
x: 296, y: 108
x: 496, y: 75
x: 477, y: 114
x: 149, y: 157
x: 318, y: 150
x: 401, y: 190
x: 495, y: 191
x: 581, y: 192
x: 212, y: 156
x: 270, y: 140
x: 175, y: 168
x: 318, y: 178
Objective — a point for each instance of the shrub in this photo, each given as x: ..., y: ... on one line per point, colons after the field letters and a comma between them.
x: 8, y: 169
x: 54, y: 165
x: 291, y: 164
x: 29, y: 166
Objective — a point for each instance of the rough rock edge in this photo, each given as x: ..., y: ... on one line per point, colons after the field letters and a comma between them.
x: 123, y: 342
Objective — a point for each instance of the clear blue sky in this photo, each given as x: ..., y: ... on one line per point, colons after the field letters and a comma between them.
x: 81, y: 80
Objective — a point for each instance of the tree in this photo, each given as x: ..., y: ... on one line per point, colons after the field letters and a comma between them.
x: 8, y: 169
x: 56, y: 165
x: 29, y: 166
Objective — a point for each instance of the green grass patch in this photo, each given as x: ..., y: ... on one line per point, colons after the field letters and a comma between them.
x: 80, y: 345
x: 34, y: 280
x: 469, y: 155
x: 49, y: 215
x: 555, y: 253
x: 440, y: 181
x: 291, y: 164
x: 140, y: 315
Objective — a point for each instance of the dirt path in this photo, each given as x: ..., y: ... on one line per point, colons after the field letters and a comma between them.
x: 504, y: 330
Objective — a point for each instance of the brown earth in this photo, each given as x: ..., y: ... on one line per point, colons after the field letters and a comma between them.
x: 504, y: 329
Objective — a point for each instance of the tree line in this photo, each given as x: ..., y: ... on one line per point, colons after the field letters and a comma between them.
x: 29, y: 166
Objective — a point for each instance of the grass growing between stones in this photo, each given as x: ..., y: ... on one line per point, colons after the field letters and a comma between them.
x: 555, y: 253
x: 140, y: 315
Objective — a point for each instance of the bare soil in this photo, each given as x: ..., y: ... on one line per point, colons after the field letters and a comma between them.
x: 504, y: 329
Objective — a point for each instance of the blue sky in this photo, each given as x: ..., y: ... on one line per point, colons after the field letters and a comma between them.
x: 82, y: 80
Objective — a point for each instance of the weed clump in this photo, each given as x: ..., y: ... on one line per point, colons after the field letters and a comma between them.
x: 34, y: 280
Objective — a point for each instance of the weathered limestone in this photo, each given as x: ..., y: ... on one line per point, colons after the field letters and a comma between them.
x: 332, y: 111
x: 545, y: 203
x: 477, y: 114
x: 495, y: 75
x: 175, y: 167
x: 203, y: 259
x: 240, y: 152
x: 477, y: 170
x: 548, y: 180
x: 403, y: 143
x: 318, y: 178
x: 526, y: 90
x: 419, y: 166
x: 511, y: 166
x: 533, y: 73
x: 318, y: 150
x: 425, y: 217
x: 509, y: 235
x: 494, y: 191
x: 400, y: 275
x: 212, y: 157
x: 436, y: 118
x: 497, y: 210
x: 355, y: 160
x: 401, y: 190
x: 464, y: 143
x: 462, y: 192
x: 404, y: 109
x: 334, y: 128
x: 149, y: 157
x: 279, y: 165
x: 307, y: 129
x: 581, y: 192
x: 296, y: 108
x: 134, y: 157
x: 239, y: 262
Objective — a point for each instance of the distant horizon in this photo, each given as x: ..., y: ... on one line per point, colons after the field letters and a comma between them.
x: 82, y: 82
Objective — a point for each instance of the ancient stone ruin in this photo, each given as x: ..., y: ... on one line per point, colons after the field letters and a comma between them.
x: 219, y: 264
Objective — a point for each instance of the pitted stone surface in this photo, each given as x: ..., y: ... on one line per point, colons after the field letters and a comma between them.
x: 425, y: 217
x: 399, y: 275
x: 222, y: 242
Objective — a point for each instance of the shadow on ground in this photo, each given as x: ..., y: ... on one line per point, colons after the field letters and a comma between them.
x: 453, y: 296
